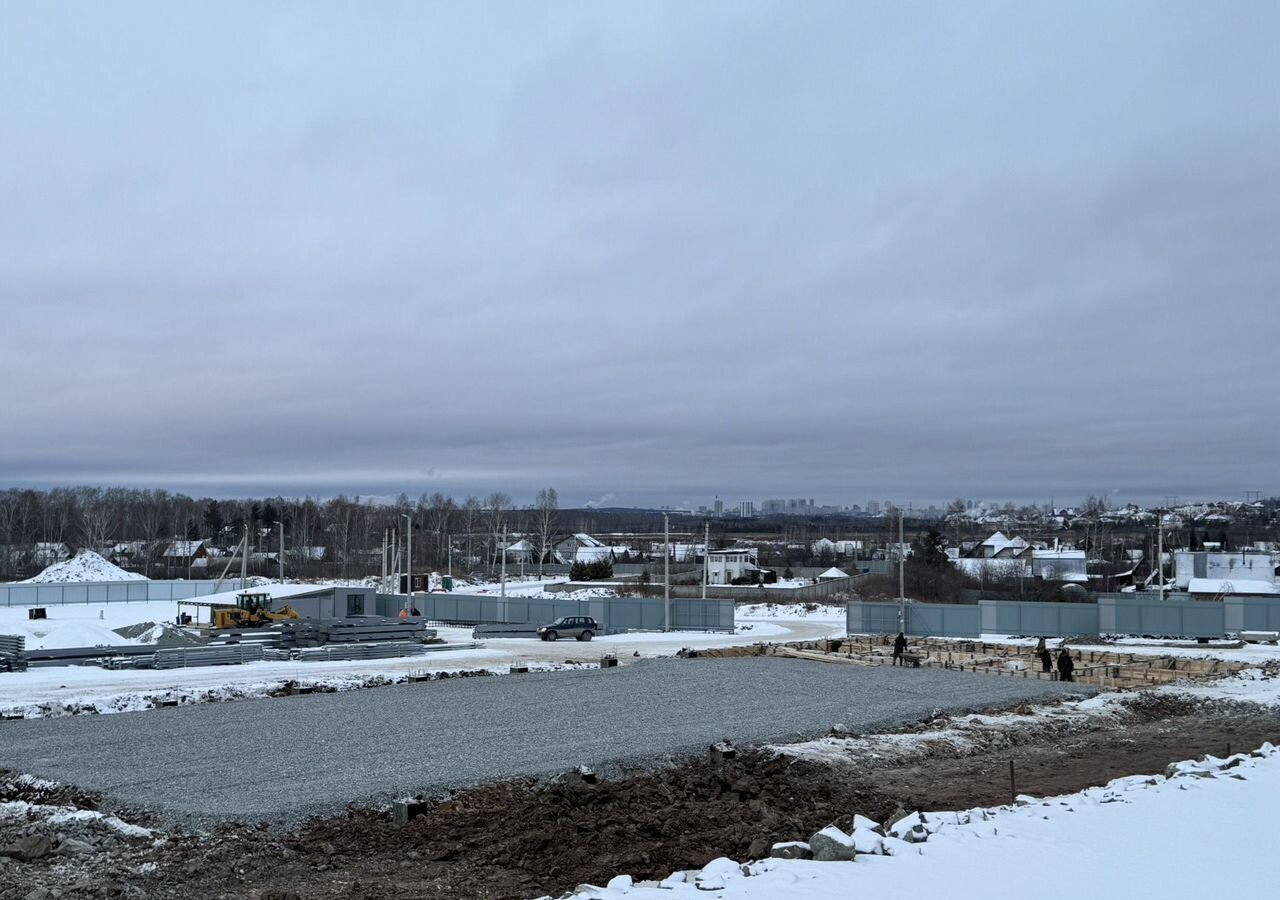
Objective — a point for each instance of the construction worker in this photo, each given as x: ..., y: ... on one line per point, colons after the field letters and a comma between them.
x: 1046, y: 658
x: 1065, y: 665
x: 899, y: 648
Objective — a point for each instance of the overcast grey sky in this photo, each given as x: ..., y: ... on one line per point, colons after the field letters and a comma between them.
x: 653, y: 250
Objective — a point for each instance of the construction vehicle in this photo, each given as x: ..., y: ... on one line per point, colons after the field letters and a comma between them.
x: 252, y: 610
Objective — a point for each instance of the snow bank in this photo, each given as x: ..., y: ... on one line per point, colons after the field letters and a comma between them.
x: 1129, y: 837
x: 817, y: 611
x: 84, y: 566
x: 65, y: 815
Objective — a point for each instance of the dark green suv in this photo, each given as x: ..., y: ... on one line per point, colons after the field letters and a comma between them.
x: 584, y: 628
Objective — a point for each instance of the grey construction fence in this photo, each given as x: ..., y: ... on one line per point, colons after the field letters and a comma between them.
x: 1109, y: 615
x: 754, y: 593
x: 109, y: 592
x: 614, y: 614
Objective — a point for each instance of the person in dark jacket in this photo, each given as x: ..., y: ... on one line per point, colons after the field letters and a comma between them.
x: 1046, y: 658
x: 899, y: 648
x: 1065, y: 665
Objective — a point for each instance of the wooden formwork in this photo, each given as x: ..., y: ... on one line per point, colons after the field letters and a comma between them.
x: 1103, y: 668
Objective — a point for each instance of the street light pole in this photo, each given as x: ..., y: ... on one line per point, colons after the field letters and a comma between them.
x: 666, y: 569
x: 281, y: 524
x: 408, y: 560
x: 902, y: 591
x: 706, y: 560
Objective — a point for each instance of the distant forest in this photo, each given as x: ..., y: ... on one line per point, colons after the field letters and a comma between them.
x: 342, y: 537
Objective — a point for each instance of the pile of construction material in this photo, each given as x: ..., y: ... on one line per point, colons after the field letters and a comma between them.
x: 212, y: 655
x: 369, y: 629
x: 12, y: 657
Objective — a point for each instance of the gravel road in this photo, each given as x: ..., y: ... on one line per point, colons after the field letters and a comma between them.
x: 287, y: 758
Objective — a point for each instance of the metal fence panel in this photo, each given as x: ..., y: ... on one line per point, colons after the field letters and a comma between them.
x: 943, y: 620
x: 1260, y: 614
x: 1175, y: 618
x: 107, y: 592
x: 613, y: 613
x: 1043, y: 619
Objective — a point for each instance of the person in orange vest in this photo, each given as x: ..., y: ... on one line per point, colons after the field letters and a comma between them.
x: 404, y: 613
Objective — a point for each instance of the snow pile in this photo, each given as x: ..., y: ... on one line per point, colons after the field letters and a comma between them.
x: 1221, y: 807
x: 790, y: 611
x: 965, y: 735
x: 84, y: 566
x: 66, y: 815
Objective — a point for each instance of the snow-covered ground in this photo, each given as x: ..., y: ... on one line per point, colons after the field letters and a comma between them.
x: 83, y: 625
x: 1188, y: 835
x: 810, y: 611
x: 84, y: 566
x: 52, y: 690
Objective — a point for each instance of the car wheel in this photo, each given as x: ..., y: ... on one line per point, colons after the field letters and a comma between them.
x: 551, y: 636
x: 585, y: 636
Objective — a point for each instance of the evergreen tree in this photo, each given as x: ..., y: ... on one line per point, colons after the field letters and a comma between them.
x: 213, y: 519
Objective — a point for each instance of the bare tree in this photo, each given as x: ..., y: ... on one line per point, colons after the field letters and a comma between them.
x: 544, y: 521
x: 470, y: 518
x: 439, y: 513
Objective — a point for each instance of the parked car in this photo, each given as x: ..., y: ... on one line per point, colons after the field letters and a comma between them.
x: 584, y: 628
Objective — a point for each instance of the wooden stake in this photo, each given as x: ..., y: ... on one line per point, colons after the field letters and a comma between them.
x: 1013, y: 784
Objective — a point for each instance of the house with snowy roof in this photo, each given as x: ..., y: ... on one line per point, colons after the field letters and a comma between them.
x: 46, y: 553
x: 998, y: 546
x: 193, y: 554
x: 584, y: 548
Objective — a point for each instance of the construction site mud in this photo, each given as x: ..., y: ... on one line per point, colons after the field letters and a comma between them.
x: 526, y: 838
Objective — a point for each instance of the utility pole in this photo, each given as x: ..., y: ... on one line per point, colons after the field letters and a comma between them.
x: 1160, y: 548
x: 504, y: 563
x: 244, y: 560
x: 706, y: 558
x: 666, y: 571
x: 383, y: 582
x: 408, y: 560
x: 450, y: 537
x: 281, y: 524
x: 902, y: 589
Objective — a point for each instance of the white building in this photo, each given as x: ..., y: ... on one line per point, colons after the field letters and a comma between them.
x: 1060, y: 565
x: 723, y: 566
x: 1239, y: 566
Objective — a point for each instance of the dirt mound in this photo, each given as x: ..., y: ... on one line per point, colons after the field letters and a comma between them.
x: 646, y: 825
x: 161, y: 634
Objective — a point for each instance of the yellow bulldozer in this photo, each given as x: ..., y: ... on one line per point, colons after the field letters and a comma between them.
x: 252, y: 610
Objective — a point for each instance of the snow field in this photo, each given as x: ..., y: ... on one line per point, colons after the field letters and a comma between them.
x: 83, y: 625
x: 1130, y: 837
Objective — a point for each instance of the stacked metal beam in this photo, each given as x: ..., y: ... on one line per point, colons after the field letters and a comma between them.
x: 322, y: 632
x: 369, y: 650
x: 224, y: 655
x: 12, y: 658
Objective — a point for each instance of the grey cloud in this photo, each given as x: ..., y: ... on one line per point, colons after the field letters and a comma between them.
x: 746, y: 249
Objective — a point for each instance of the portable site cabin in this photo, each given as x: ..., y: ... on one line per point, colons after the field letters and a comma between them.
x: 308, y: 601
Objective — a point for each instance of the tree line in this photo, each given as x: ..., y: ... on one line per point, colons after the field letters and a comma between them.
x: 343, y: 535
